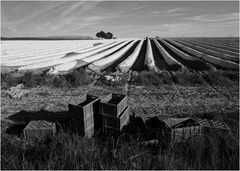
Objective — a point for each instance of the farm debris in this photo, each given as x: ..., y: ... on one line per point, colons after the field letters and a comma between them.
x: 39, y: 129
x: 112, y: 78
x: 85, y: 115
x: 17, y: 91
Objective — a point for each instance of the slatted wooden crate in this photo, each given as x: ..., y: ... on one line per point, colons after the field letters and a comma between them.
x: 181, y: 134
x: 85, y: 107
x: 212, y: 124
x: 85, y: 115
x: 184, y: 128
x: 116, y: 123
x: 113, y: 104
x: 39, y: 129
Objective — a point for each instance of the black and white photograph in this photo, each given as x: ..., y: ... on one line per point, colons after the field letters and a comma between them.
x: 119, y: 85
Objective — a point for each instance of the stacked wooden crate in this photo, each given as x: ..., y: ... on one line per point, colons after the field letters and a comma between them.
x: 115, y: 112
x: 85, y: 115
x: 39, y: 129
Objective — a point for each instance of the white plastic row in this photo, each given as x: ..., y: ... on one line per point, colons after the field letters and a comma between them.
x: 209, y: 58
x: 212, y: 47
x: 68, y: 59
x: 208, y: 51
x: 57, y: 56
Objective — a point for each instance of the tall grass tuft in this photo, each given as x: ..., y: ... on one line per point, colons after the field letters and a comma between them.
x: 70, y: 151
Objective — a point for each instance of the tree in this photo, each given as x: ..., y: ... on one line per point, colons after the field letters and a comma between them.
x: 109, y: 35
x: 104, y: 35
x: 98, y: 35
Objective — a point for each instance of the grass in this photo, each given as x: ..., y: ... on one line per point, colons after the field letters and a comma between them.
x: 70, y: 151
x: 151, y: 78
x: 222, y: 78
x: 81, y: 78
x: 29, y: 79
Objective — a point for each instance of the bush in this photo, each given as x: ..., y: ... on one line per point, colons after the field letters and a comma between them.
x: 187, y: 78
x: 217, y: 78
x: 151, y: 78
x: 30, y: 79
x: 77, y: 78
x: 8, y: 80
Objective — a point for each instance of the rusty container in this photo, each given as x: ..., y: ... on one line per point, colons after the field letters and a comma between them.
x: 113, y: 104
x: 39, y: 129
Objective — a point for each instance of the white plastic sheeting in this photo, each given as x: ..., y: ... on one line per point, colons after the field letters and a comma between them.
x: 125, y: 65
x: 28, y: 47
x: 40, y: 58
x: 208, y: 51
x: 105, y: 53
x: 53, y: 57
x: 87, y: 60
x: 105, y: 62
x: 149, y: 59
x: 64, y: 60
x: 209, y: 58
x: 33, y: 53
x: 215, y: 48
x: 167, y: 57
x: 178, y: 52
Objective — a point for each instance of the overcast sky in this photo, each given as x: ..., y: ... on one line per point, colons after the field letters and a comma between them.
x: 122, y: 18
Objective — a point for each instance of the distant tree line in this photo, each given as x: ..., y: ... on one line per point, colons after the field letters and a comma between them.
x: 104, y: 35
x: 49, y: 38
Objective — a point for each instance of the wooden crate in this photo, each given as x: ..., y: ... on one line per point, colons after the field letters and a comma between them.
x: 183, y: 128
x: 181, y: 134
x: 85, y: 108
x: 39, y: 129
x: 85, y: 115
x: 116, y: 122
x: 212, y: 124
x: 113, y: 104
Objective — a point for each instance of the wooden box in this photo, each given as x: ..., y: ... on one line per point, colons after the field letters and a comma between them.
x: 183, y: 128
x: 85, y: 115
x: 39, y: 129
x: 116, y: 122
x: 113, y: 104
x: 85, y: 108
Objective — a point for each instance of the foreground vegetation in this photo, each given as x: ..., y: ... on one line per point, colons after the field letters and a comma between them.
x: 70, y: 151
x: 81, y: 78
x: 67, y: 150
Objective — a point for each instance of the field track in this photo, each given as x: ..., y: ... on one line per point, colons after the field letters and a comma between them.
x: 172, y: 54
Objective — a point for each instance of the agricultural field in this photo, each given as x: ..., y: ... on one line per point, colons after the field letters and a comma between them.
x: 181, y: 76
x: 123, y: 55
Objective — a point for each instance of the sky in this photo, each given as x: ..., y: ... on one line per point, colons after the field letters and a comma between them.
x: 122, y: 18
